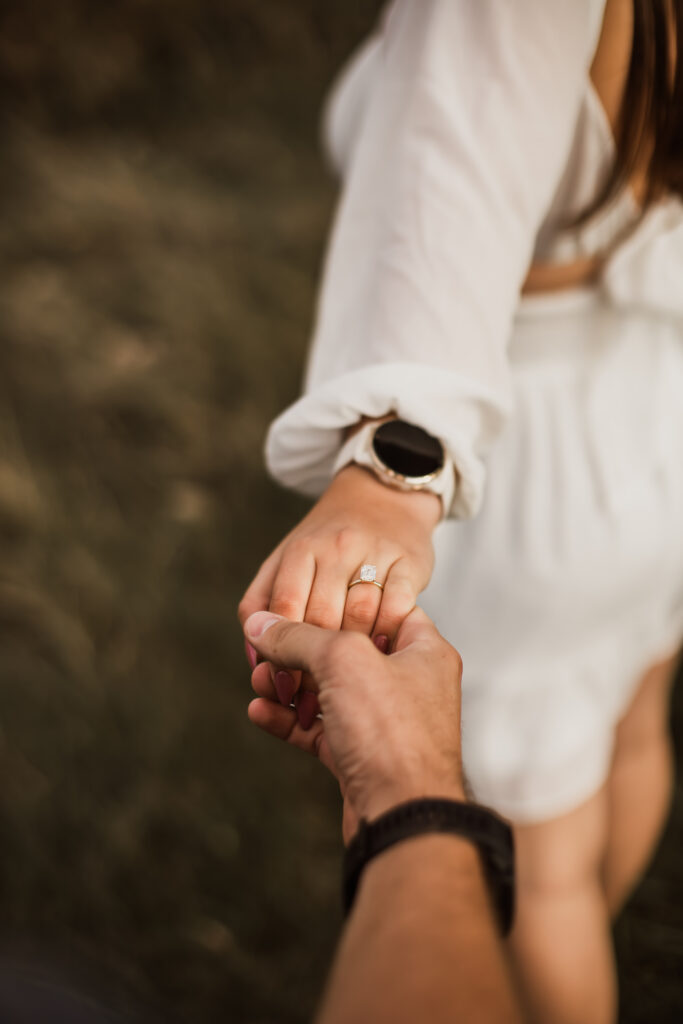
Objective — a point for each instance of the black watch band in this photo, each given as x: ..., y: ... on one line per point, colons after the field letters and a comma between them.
x: 491, y: 835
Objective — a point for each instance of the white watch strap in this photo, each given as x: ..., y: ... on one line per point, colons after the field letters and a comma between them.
x: 357, y: 449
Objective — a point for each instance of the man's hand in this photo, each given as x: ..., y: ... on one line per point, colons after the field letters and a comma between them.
x: 391, y: 725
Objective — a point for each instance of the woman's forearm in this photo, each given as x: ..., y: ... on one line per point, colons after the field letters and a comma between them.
x: 421, y: 943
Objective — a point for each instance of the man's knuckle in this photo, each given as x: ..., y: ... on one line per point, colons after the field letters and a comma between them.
x: 358, y: 644
x: 346, y: 648
x: 337, y: 644
x: 334, y: 655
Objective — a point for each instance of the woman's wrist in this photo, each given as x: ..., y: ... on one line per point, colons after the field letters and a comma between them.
x: 423, y: 506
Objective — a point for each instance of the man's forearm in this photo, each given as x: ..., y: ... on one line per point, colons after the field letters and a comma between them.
x: 421, y: 942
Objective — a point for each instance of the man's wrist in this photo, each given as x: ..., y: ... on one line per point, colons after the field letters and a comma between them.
x: 479, y: 825
x: 385, y: 798
x: 403, y: 856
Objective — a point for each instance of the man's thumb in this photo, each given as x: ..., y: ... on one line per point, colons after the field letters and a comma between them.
x: 258, y: 622
x: 287, y: 644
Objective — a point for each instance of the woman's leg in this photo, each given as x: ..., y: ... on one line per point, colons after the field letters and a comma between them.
x: 561, y: 944
x: 640, y: 784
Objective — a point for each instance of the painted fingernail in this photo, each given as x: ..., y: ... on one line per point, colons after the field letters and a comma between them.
x: 382, y: 643
x: 252, y: 656
x: 285, y: 687
x: 259, y: 622
x: 307, y: 708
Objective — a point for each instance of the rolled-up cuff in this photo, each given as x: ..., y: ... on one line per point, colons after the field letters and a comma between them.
x: 303, y: 441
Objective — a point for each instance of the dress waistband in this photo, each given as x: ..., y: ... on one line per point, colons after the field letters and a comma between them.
x: 559, y: 326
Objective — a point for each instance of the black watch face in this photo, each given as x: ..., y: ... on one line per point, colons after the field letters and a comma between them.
x: 407, y: 449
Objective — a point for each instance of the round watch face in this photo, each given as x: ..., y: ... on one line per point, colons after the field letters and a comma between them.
x: 407, y: 450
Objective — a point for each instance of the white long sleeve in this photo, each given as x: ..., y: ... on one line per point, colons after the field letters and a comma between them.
x: 469, y: 119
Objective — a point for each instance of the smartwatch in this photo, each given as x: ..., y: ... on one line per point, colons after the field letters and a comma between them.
x: 403, y: 456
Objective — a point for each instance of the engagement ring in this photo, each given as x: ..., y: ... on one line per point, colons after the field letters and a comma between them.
x: 368, y: 574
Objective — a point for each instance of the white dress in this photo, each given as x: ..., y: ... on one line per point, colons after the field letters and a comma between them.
x: 468, y: 135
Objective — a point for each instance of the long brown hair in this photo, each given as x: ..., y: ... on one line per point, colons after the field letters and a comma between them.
x: 650, y: 126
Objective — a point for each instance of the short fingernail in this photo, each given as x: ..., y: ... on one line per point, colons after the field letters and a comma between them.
x: 259, y: 622
x: 285, y: 687
x: 382, y: 643
x: 252, y: 656
x: 307, y: 708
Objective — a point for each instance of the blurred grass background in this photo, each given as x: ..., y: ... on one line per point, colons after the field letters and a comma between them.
x: 164, y: 208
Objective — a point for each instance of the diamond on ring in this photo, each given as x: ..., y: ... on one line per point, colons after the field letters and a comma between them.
x: 367, y: 574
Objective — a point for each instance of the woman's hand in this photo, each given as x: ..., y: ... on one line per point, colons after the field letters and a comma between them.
x: 357, y: 520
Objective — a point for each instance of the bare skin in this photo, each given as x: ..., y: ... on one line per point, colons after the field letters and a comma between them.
x: 561, y: 946
x: 640, y: 785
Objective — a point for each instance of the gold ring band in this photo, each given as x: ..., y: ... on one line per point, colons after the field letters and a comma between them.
x: 373, y: 582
